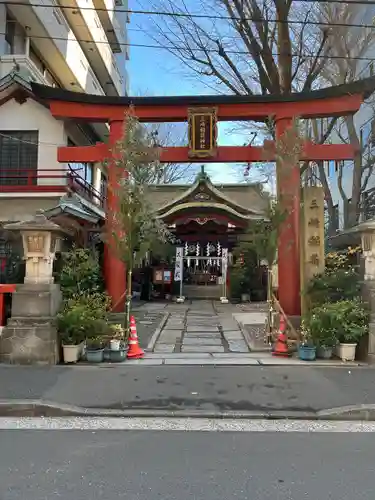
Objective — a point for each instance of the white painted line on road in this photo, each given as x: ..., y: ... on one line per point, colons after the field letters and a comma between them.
x: 181, y: 424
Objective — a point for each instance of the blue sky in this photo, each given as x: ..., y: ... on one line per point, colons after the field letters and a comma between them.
x: 157, y: 72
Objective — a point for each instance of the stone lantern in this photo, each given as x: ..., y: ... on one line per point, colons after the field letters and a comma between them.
x: 40, y: 239
x: 367, y: 232
x: 31, y: 335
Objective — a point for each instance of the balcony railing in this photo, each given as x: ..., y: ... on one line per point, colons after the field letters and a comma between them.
x: 48, y: 181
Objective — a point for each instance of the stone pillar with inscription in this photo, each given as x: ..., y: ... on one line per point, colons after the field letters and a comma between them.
x: 30, y: 335
x: 312, y: 236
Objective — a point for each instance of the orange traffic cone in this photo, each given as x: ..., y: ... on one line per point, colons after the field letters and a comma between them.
x: 134, y: 351
x: 281, y: 344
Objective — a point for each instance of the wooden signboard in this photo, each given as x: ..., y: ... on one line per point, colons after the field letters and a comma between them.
x: 202, y: 132
x: 162, y: 276
x: 158, y: 276
x: 312, y: 235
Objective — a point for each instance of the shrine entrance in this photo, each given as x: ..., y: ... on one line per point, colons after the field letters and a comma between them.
x: 202, y: 114
x: 208, y: 221
x: 203, y: 278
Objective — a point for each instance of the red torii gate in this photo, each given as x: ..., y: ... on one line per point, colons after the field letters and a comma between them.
x: 334, y: 101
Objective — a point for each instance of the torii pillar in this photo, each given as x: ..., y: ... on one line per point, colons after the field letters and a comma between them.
x: 289, y: 194
x: 114, y: 268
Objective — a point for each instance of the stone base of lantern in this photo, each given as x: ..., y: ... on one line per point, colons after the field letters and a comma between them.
x: 30, y: 336
x: 366, y: 345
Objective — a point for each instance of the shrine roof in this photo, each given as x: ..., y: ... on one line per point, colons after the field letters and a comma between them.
x: 72, y: 204
x: 16, y: 84
x: 365, y: 86
x: 246, y: 200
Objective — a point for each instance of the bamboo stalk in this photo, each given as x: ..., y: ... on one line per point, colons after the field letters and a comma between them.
x: 281, y: 311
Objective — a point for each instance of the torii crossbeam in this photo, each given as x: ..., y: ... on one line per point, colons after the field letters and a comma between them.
x: 334, y: 101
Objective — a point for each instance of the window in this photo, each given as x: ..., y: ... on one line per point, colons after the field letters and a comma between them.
x: 372, y: 139
x: 103, y: 185
x: 50, y: 78
x: 38, y: 61
x: 18, y: 157
x: 10, y: 32
x: 91, y: 73
x: 89, y: 173
x: 83, y: 170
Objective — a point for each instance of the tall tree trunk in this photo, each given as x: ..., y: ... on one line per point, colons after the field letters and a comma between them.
x: 284, y: 46
x: 353, y: 210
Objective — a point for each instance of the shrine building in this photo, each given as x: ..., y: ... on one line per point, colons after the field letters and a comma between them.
x: 206, y: 220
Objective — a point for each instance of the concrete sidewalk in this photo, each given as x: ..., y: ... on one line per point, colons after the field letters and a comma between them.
x: 216, y: 389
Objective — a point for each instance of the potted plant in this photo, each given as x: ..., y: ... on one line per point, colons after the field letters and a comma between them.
x: 83, y: 317
x: 72, y: 347
x: 117, y: 334
x: 94, y: 349
x: 71, y: 334
x: 306, y: 349
x: 96, y: 338
x: 117, y: 349
x: 352, y: 322
x: 322, y: 331
x: 325, y: 346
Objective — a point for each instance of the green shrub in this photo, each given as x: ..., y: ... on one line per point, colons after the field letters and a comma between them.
x: 318, y: 327
x: 83, y: 316
x: 238, y: 282
x: 343, y: 321
x: 80, y: 273
x: 334, y: 286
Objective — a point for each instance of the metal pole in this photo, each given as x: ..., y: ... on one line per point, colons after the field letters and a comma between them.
x: 182, y: 275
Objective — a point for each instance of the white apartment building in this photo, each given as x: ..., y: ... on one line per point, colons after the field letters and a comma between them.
x: 79, y: 45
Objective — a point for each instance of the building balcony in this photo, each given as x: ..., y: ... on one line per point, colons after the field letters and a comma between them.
x: 25, y: 65
x: 53, y: 38
x: 87, y: 26
x: 109, y: 12
x: 48, y: 182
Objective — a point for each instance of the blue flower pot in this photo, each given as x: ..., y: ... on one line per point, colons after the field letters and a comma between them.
x: 95, y: 355
x: 307, y: 353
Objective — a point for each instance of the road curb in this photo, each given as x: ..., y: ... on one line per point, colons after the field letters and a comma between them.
x: 157, y: 332
x: 43, y: 408
x: 352, y: 412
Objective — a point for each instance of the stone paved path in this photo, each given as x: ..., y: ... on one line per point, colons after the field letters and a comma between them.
x: 200, y: 328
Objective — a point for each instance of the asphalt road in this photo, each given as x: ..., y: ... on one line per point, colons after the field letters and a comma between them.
x: 149, y: 465
x: 183, y: 388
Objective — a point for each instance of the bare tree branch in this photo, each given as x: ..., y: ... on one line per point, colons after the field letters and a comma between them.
x: 273, y: 47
